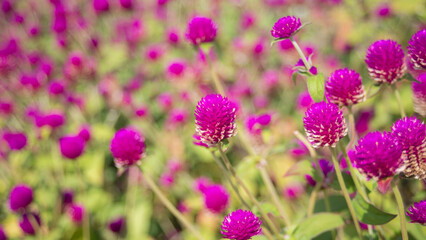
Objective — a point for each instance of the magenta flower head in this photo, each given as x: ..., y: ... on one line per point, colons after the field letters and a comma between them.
x: 201, y: 30
x: 2, y: 234
x: 241, y: 225
x: 16, y: 141
x: 216, y: 198
x: 71, y: 146
x: 344, y: 87
x: 377, y: 155
x: 215, y: 119
x: 385, y: 61
x: 101, y: 6
x: 117, y: 225
x: 127, y: 147
x: 20, y: 197
x: 417, y: 49
x: 286, y: 27
x: 419, y: 94
x: 324, y: 124
x: 417, y: 212
x: 76, y: 213
x: 27, y: 221
x: 411, y: 135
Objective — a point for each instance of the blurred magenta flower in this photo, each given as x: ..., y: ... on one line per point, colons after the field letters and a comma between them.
x: 326, y: 168
x: 304, y: 101
x: 411, y: 135
x: 165, y: 100
x: 385, y: 61
x: 173, y: 36
x: 417, y: 49
x: 293, y: 191
x: 6, y: 107
x: 383, y: 10
x: 363, y: 121
x: 216, y: 198
x: 241, y: 225
x: 60, y: 23
x: 56, y: 87
x: 20, y: 197
x: 27, y: 221
x: 201, y: 184
x: 215, y: 119
x: 201, y: 30
x: 417, y: 212
x: 127, y: 4
x: 71, y: 146
x: 76, y: 213
x: 324, y: 124
x: 167, y: 179
x: 101, y: 6
x: 247, y: 20
x: 117, y: 225
x: 84, y: 133
x: 377, y: 155
x: 176, y: 69
x: 286, y: 27
x: 419, y: 94
x: 16, y: 140
x: 67, y: 197
x: 127, y: 147
x: 2, y: 234
x: 344, y: 87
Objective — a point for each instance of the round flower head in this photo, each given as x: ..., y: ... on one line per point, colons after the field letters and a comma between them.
x: 216, y: 198
x: 215, y: 119
x: 241, y: 225
x: 16, y: 141
x: 286, y: 27
x: 117, y: 225
x: 377, y: 155
x: 324, y: 124
x: 344, y: 87
x: 127, y: 147
x: 417, y: 212
x: 411, y: 135
x: 20, y: 197
x: 27, y: 221
x: 419, y: 94
x: 385, y: 61
x: 417, y: 49
x: 71, y: 146
x: 201, y: 30
x: 76, y: 213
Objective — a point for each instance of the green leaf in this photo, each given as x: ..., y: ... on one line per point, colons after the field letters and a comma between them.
x: 316, y: 87
x: 369, y: 214
x: 317, y: 224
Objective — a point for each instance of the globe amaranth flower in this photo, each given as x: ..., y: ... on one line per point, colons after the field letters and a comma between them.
x: 27, y: 221
x: 344, y: 87
x: 286, y: 27
x: 377, y: 155
x: 101, y: 6
x: 201, y: 30
x: 417, y: 212
x: 215, y: 119
x: 419, y: 94
x: 216, y: 198
x: 324, y: 124
x: 20, y: 197
x: 385, y: 61
x: 241, y: 225
x: 71, y: 146
x: 76, y: 213
x: 117, y: 225
x: 16, y: 141
x: 411, y: 135
x: 127, y: 147
x: 326, y: 168
x: 417, y: 49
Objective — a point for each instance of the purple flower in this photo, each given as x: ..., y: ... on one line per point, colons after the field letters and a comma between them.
x: 76, y: 213
x: 344, y: 87
x: 173, y: 36
x: 286, y: 27
x: 411, y: 135
x: 2, y: 234
x: 417, y: 212
x: 127, y: 147
x: 117, y: 225
x: 241, y: 225
x: 383, y: 10
x: 419, y: 94
x: 304, y: 101
x: 71, y: 146
x: 27, y: 221
x: 326, y: 168
x: 216, y: 198
x: 67, y: 197
x: 100, y: 6
x: 385, y: 61
x: 215, y: 119
x: 417, y: 49
x: 84, y: 133
x: 377, y: 155
x: 16, y: 141
x: 324, y: 124
x: 176, y: 69
x: 56, y: 88
x: 59, y: 24
x: 201, y: 30
x: 126, y: 4
x: 20, y: 197
x: 293, y: 191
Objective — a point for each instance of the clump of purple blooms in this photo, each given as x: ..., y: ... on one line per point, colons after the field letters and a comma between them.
x: 241, y: 225
x: 201, y: 30
x: 417, y: 212
x: 127, y: 147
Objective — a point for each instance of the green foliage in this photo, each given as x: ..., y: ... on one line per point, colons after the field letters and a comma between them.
x: 369, y: 214
x: 316, y: 87
x: 317, y: 224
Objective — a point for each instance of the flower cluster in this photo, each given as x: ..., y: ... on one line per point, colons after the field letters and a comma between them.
x: 241, y: 225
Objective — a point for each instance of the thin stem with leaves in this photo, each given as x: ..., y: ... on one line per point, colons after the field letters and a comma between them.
x: 401, y: 211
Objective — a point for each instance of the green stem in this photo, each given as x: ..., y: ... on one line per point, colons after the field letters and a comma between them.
x: 401, y: 211
x: 215, y: 77
x: 251, y: 196
x: 169, y: 205
x: 352, y: 132
x: 299, y: 51
x: 345, y: 191
x: 313, y: 198
x: 398, y: 99
x: 328, y: 208
x: 273, y: 193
